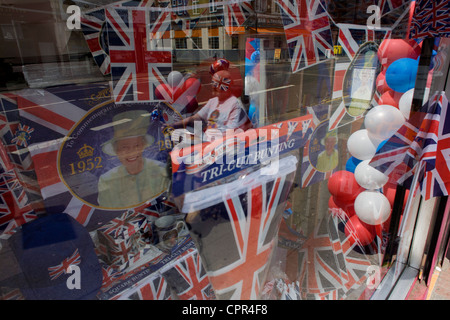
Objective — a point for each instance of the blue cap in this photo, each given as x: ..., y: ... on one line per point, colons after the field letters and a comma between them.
x: 45, y: 248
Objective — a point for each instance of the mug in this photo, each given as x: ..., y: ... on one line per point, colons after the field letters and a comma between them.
x: 169, y: 230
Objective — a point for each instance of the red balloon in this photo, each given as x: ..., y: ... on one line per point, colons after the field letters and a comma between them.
x: 394, y: 49
x: 359, y: 231
x: 381, y: 83
x: 343, y: 186
x: 193, y: 84
x: 162, y: 88
x: 348, y: 205
x: 391, y: 98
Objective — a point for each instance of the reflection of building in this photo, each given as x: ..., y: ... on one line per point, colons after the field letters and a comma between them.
x: 210, y: 36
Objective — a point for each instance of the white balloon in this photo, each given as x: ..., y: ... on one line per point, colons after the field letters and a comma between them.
x: 361, y: 145
x: 383, y: 121
x: 404, y: 104
x: 368, y: 177
x: 372, y: 207
x: 174, y: 79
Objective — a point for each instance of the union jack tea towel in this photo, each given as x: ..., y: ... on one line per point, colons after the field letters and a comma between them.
x: 235, y: 226
x: 75, y: 130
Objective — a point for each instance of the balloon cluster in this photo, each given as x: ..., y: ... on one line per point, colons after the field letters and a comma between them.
x: 399, y: 60
x: 181, y: 90
x: 361, y: 194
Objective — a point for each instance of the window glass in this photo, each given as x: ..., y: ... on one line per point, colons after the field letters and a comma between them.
x: 256, y: 143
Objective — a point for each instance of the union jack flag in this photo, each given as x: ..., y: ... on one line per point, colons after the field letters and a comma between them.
x: 94, y: 27
x: 431, y: 19
x: 156, y: 288
x: 329, y: 267
x: 189, y: 278
x: 351, y: 38
x: 14, y: 211
x: 140, y: 61
x: 252, y: 217
x: 421, y: 144
x: 235, y: 13
x: 56, y: 271
x: 319, y: 125
x: 436, y: 151
x: 307, y: 31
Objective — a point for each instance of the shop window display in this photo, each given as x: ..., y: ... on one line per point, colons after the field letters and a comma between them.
x: 205, y: 150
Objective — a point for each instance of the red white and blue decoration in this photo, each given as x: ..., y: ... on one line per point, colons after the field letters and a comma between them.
x: 308, y: 32
x: 431, y: 19
x: 141, y: 58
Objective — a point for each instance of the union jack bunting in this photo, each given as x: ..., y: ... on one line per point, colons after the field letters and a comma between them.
x: 156, y: 288
x: 308, y: 32
x: 349, y: 39
x: 94, y: 27
x: 140, y: 61
x: 56, y: 271
x: 319, y: 124
x: 189, y: 279
x: 251, y: 215
x: 431, y: 19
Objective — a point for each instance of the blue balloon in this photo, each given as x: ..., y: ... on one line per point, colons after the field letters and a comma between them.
x: 351, y: 164
x: 401, y: 74
x: 382, y: 143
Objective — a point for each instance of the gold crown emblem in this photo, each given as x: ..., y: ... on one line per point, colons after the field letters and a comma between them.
x: 85, y: 151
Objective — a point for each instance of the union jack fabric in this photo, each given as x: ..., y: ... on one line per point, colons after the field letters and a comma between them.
x: 94, y: 27
x: 319, y: 124
x: 329, y: 266
x: 140, y: 59
x: 124, y: 226
x: 250, y: 216
x: 15, y: 138
x: 189, y: 279
x: 351, y: 38
x: 431, y: 19
x: 56, y: 271
x: 235, y: 14
x: 307, y: 31
x: 14, y: 211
